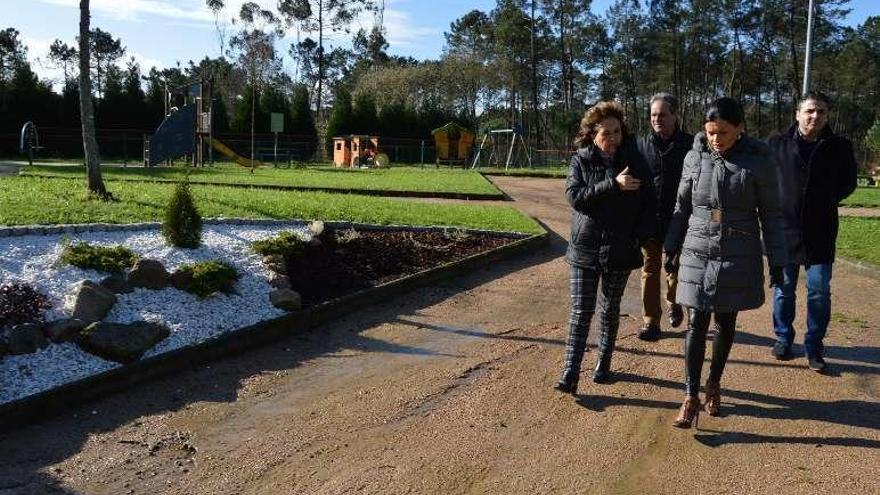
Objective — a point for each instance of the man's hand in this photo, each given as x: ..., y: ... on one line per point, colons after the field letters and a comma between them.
x: 627, y: 182
x: 776, y: 276
x: 671, y: 263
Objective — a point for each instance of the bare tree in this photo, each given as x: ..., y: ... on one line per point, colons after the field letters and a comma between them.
x: 87, y: 109
x: 256, y: 54
x: 216, y: 7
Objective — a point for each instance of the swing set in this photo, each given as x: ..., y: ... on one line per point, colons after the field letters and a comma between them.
x: 495, y: 142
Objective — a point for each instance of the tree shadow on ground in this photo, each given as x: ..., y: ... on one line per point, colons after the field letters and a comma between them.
x: 853, y: 413
x: 27, y: 453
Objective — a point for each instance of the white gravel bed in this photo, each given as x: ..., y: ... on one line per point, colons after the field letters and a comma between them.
x: 34, y: 259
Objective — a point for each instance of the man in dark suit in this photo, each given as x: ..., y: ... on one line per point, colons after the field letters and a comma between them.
x: 664, y: 149
x: 816, y: 170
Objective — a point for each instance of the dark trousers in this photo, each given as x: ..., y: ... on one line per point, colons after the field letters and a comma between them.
x: 695, y: 347
x: 589, y: 287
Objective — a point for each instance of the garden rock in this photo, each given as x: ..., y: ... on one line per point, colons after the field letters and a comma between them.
x: 117, y: 284
x: 63, y: 330
x: 286, y: 299
x: 122, y: 343
x: 148, y: 273
x: 275, y: 263
x: 279, y: 281
x: 91, y: 301
x: 25, y: 339
x: 316, y: 228
x: 181, y: 279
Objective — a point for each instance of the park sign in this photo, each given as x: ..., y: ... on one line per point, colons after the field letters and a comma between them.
x: 277, y: 122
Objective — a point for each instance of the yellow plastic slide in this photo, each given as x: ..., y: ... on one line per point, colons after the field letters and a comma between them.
x: 228, y: 153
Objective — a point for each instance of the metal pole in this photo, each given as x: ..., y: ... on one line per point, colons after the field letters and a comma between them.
x: 808, y: 60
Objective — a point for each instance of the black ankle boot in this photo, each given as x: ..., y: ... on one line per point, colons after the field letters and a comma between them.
x: 568, y: 384
x: 601, y: 374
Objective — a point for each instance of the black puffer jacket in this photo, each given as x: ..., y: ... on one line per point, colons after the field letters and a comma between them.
x: 721, y: 265
x: 608, y: 225
x: 665, y: 160
x: 811, y: 191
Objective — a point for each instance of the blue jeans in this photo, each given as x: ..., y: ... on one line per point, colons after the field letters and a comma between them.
x: 818, y: 306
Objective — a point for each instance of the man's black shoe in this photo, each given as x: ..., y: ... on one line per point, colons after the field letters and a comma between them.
x: 675, y: 314
x: 782, y: 350
x: 816, y: 363
x: 650, y: 333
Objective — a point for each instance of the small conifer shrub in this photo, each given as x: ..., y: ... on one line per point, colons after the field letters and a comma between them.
x: 207, y: 277
x: 286, y: 243
x: 115, y: 259
x: 183, y: 224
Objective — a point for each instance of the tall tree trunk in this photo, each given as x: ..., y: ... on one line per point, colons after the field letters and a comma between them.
x: 253, y: 119
x: 87, y: 109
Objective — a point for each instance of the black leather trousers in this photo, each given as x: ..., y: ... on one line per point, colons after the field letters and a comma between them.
x: 695, y: 346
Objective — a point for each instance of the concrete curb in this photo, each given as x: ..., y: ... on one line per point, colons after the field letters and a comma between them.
x: 75, y: 228
x: 364, y: 192
x: 33, y: 408
x: 869, y: 270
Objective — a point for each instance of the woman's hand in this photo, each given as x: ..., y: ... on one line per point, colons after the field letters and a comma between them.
x: 627, y: 182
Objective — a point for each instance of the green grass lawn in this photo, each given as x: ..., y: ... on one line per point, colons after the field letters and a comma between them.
x: 33, y: 200
x: 858, y: 239
x: 868, y: 197
x: 399, y: 179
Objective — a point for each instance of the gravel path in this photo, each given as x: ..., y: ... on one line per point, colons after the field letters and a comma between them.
x: 448, y: 390
x: 34, y: 259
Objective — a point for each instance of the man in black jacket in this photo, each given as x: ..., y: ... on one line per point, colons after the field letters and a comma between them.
x: 664, y: 150
x: 816, y: 170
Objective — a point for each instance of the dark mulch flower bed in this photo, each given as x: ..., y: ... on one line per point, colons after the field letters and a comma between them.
x: 356, y: 260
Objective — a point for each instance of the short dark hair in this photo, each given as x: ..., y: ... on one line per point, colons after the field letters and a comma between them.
x: 670, y: 100
x: 724, y: 108
x: 814, y: 95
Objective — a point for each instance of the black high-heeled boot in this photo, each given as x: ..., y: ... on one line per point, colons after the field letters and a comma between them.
x: 601, y: 374
x: 568, y: 384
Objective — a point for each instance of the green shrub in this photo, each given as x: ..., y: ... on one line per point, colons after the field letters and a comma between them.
x: 114, y: 259
x: 183, y: 224
x: 207, y: 277
x: 286, y: 243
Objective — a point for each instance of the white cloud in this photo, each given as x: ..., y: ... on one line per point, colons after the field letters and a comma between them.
x: 133, y: 10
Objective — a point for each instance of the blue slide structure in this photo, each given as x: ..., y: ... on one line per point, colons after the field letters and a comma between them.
x: 174, y: 137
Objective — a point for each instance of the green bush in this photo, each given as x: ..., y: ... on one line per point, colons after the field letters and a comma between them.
x: 183, y: 224
x: 286, y: 243
x: 114, y: 259
x: 207, y: 277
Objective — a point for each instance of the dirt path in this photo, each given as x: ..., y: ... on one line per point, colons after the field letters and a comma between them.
x: 860, y: 212
x: 448, y: 390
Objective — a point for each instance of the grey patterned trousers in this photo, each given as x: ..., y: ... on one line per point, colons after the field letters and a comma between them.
x: 585, y: 288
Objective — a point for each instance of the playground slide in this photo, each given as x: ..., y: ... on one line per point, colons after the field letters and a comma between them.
x: 228, y: 153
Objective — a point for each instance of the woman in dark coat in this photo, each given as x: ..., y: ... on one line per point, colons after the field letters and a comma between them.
x: 614, y: 210
x: 727, y: 190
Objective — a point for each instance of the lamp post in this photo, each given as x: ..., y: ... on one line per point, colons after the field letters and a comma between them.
x: 808, y: 60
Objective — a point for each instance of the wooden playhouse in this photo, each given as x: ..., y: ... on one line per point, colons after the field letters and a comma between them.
x: 348, y: 150
x: 453, y: 144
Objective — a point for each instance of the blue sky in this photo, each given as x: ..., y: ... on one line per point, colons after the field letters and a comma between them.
x: 162, y: 32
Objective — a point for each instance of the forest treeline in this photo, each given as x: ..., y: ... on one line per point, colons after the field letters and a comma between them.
x: 531, y: 63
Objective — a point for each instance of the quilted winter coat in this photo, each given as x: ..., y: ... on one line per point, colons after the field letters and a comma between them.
x: 608, y: 225
x: 725, y: 204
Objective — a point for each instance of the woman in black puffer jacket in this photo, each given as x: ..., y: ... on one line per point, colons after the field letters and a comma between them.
x: 727, y: 201
x: 609, y: 188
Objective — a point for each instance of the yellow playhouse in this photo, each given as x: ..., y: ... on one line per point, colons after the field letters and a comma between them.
x: 453, y: 143
x: 348, y: 150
